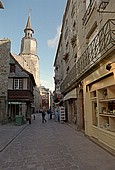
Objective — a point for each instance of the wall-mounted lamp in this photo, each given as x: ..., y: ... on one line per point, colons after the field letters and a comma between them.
x: 108, y: 66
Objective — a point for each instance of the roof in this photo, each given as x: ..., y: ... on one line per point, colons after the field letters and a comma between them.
x: 30, y: 74
x: 1, y: 5
x: 28, y: 25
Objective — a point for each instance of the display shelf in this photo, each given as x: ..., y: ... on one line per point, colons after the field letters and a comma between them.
x: 103, y: 94
x: 106, y: 100
x: 107, y: 108
x: 93, y: 95
x: 112, y: 123
x: 103, y: 108
x: 107, y: 122
x: 104, y: 121
x: 111, y: 92
x: 110, y: 115
x: 94, y: 98
x: 107, y: 93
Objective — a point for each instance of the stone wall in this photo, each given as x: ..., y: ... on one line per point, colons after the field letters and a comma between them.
x: 5, y: 46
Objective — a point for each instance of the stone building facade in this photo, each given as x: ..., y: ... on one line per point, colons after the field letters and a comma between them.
x: 5, y: 46
x: 21, y: 85
x: 16, y: 86
x: 85, y: 57
x: 47, y: 98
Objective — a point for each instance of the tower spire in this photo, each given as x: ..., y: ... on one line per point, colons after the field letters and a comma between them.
x: 28, y: 30
x: 28, y: 43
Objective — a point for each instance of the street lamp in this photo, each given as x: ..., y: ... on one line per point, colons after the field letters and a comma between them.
x: 1, y: 5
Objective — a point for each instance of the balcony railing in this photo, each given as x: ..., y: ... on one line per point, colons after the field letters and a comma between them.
x: 103, y: 43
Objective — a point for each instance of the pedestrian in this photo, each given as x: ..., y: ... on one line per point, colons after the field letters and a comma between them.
x: 43, y: 115
x: 57, y: 114
x: 49, y: 113
x: 34, y: 116
x: 28, y: 118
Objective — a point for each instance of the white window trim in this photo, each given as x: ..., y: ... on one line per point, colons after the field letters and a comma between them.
x: 17, y: 84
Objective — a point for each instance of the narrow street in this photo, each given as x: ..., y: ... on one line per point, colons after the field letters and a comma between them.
x: 53, y: 146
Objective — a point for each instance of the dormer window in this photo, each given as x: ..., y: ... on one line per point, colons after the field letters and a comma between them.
x: 12, y: 68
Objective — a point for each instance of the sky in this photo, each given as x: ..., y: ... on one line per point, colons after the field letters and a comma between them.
x: 46, y: 20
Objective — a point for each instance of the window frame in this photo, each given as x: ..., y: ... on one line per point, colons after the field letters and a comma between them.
x: 18, y: 84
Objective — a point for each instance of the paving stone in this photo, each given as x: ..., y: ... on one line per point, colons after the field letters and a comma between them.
x: 51, y: 146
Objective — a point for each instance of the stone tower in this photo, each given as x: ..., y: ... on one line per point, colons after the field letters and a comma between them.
x: 29, y: 52
x: 29, y: 59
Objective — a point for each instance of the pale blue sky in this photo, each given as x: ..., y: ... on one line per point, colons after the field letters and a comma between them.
x: 46, y: 18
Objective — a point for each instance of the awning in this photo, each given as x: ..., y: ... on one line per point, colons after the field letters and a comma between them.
x: 70, y: 95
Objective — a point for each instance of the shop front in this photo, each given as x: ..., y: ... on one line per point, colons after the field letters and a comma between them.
x: 16, y: 108
x: 71, y: 106
x: 99, y: 104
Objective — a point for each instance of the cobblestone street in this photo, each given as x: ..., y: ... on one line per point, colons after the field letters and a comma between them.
x: 51, y: 146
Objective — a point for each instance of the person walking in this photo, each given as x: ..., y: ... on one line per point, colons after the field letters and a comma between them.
x: 28, y: 118
x: 43, y: 115
x: 34, y: 117
x: 57, y: 114
x: 49, y: 114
